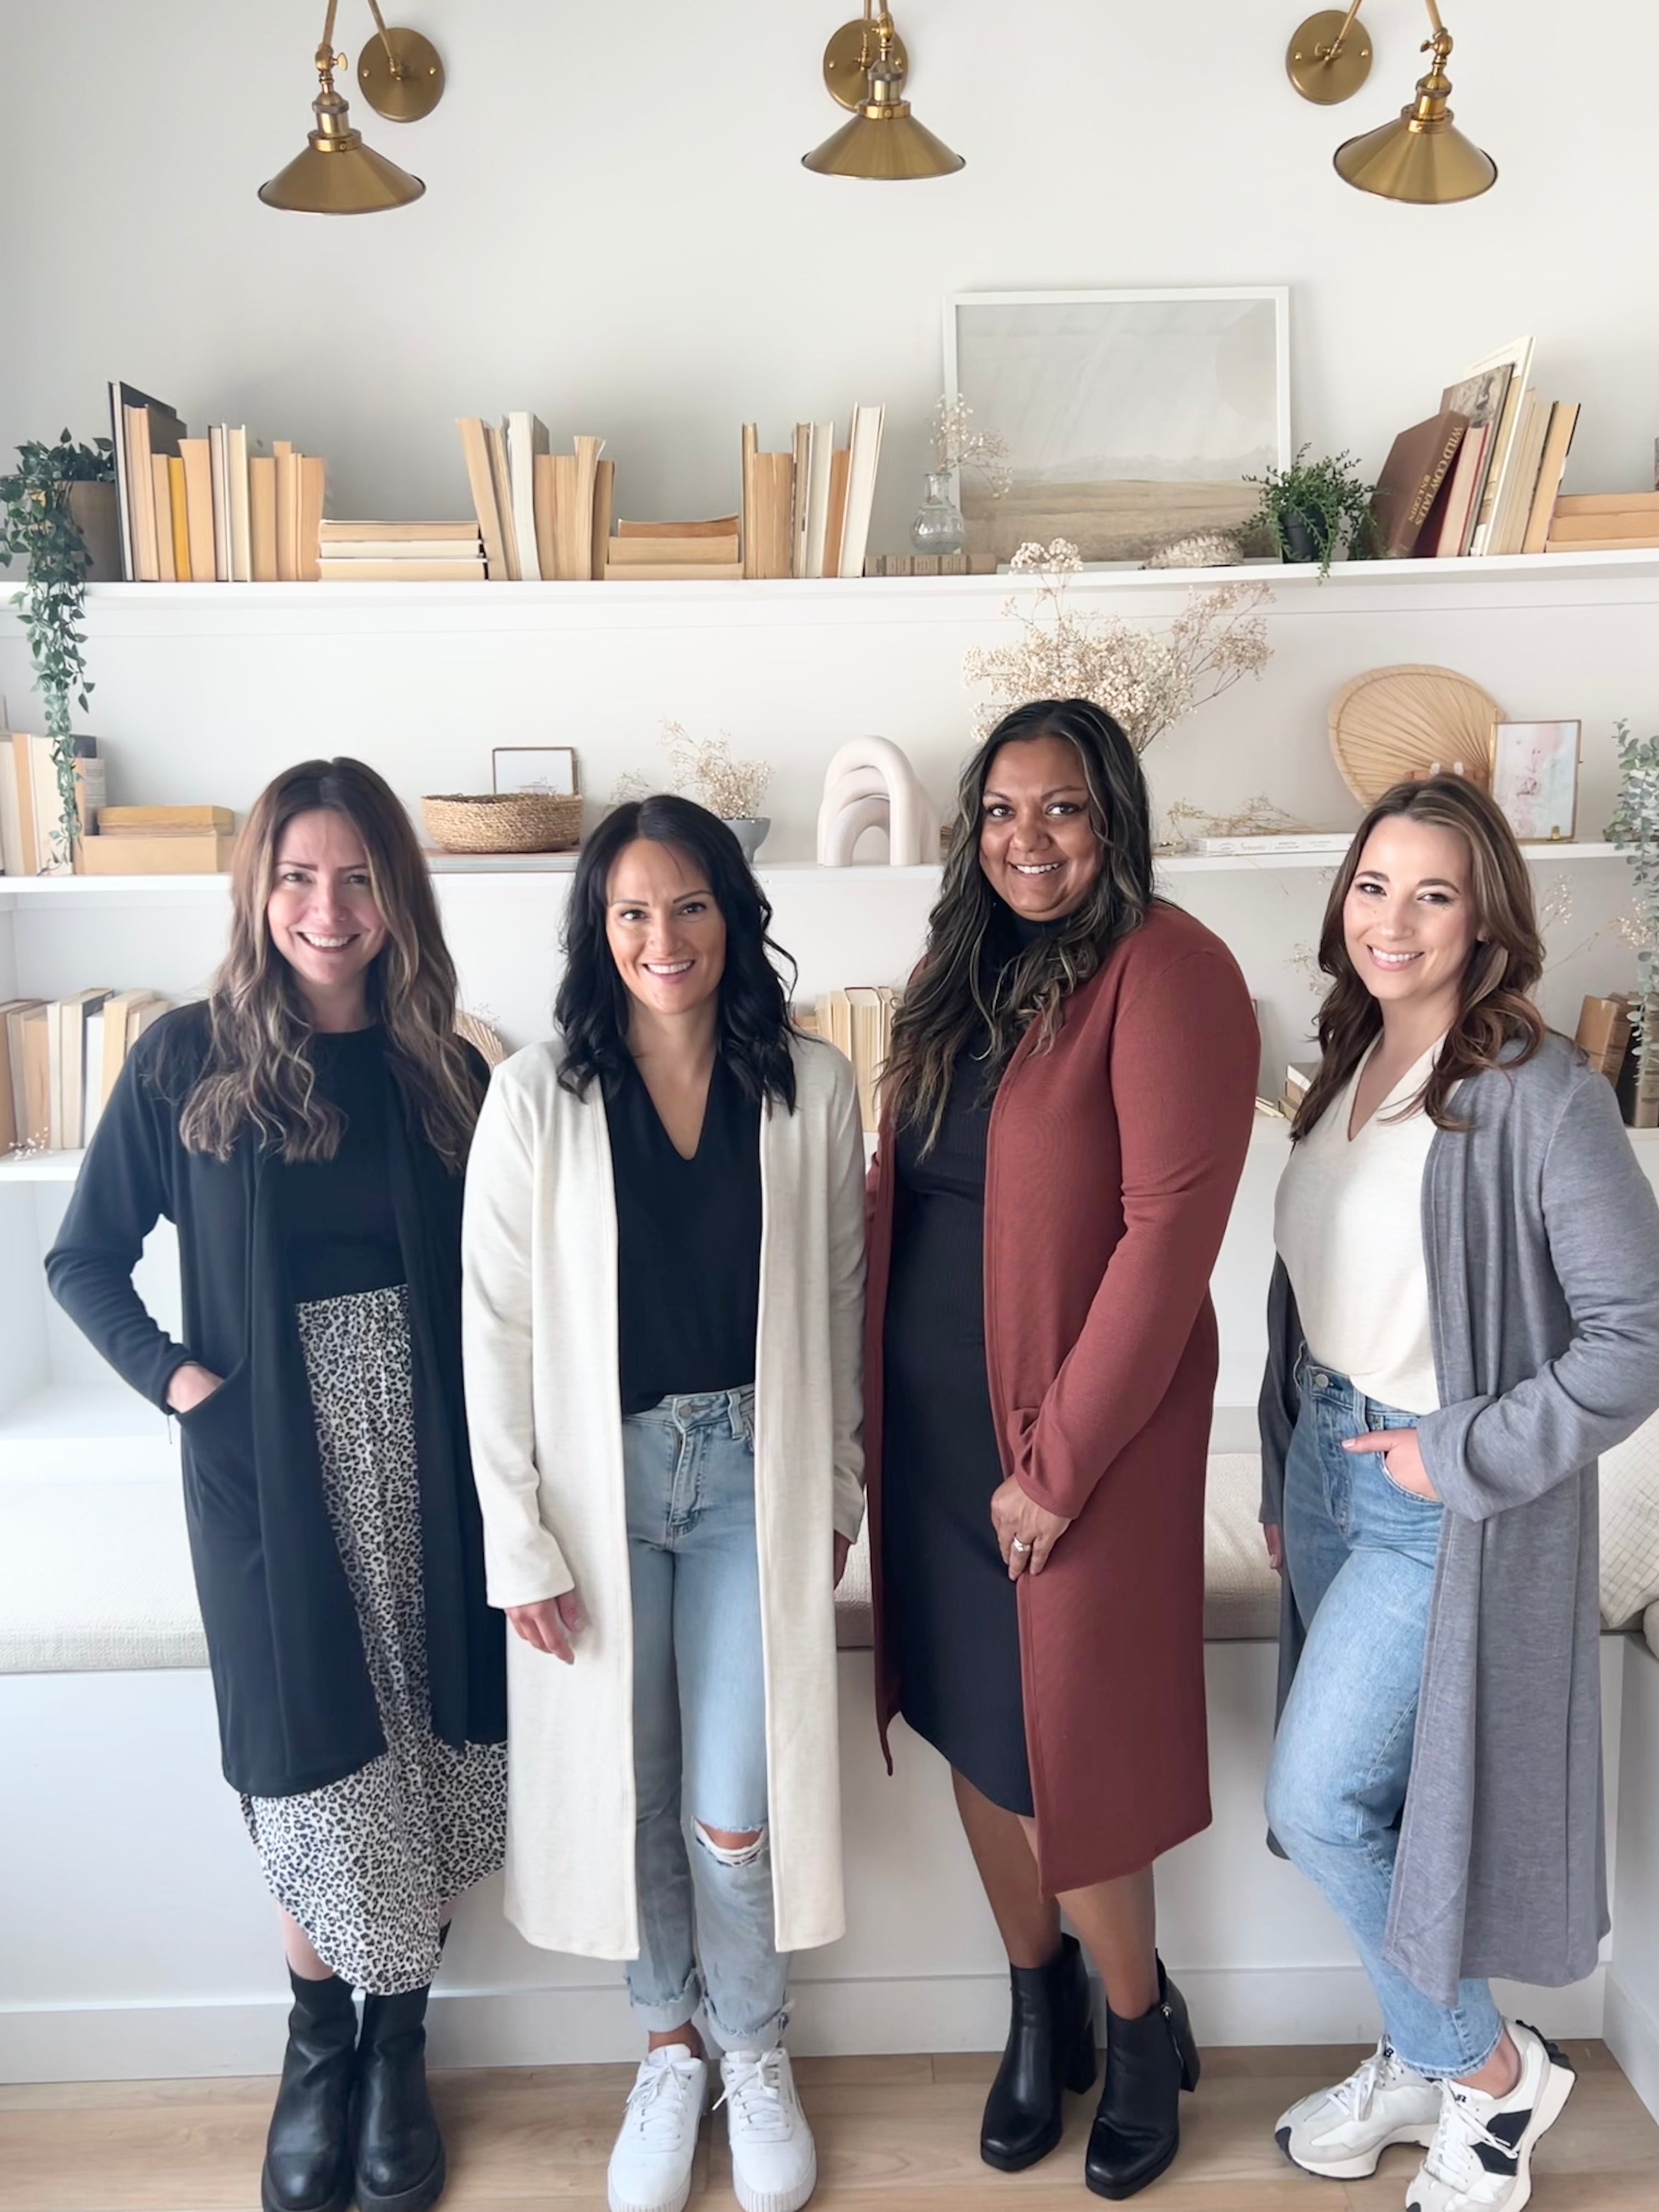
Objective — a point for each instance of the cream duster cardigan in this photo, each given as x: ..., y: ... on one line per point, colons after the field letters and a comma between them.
x: 544, y: 1406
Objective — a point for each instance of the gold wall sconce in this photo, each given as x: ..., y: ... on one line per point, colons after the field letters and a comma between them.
x: 865, y: 66
x: 402, y: 78
x: 1420, y: 157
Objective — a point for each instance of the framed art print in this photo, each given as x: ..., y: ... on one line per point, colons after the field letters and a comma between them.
x: 1131, y: 419
x: 1535, y: 778
x: 551, y: 768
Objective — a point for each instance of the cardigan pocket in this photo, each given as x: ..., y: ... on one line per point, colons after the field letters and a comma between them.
x: 218, y: 1434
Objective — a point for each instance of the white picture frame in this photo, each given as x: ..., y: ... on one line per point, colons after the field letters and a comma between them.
x: 1535, y: 778
x: 1131, y: 418
x: 551, y: 768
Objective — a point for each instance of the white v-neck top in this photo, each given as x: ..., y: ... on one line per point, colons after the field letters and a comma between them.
x: 1348, y: 1223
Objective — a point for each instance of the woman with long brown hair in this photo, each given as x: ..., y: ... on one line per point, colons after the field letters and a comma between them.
x: 1064, y: 1120
x: 1464, y: 1313
x: 306, y: 1127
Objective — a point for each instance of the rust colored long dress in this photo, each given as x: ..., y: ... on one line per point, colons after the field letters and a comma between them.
x: 1112, y: 1159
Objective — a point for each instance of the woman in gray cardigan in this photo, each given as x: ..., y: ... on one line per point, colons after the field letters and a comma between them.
x: 1464, y: 1313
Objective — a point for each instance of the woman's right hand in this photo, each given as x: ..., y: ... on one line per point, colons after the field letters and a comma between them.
x: 551, y: 1624
x: 1273, y: 1537
x: 188, y: 1386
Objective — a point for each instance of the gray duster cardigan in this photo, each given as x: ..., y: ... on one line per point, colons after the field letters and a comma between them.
x: 1541, y: 1238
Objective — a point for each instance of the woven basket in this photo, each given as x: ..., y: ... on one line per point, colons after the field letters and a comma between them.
x: 503, y: 822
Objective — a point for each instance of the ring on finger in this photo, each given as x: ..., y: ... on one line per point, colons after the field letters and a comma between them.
x: 1019, y: 1545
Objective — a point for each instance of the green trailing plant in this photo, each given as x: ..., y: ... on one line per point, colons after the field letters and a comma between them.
x: 1313, y: 510
x: 1634, y: 830
x: 38, y: 530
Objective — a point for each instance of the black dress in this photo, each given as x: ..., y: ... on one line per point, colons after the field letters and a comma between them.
x: 953, y: 1609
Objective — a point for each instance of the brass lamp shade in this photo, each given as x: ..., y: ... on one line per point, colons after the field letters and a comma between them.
x: 888, y: 149
x: 883, y: 142
x: 336, y: 173
x: 1419, y: 157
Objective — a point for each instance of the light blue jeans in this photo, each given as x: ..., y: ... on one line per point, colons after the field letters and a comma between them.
x: 699, y: 1722
x: 1361, y: 1552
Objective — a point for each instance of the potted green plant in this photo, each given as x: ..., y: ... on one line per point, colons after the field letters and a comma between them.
x: 1634, y: 830
x: 57, y: 518
x: 1313, y: 510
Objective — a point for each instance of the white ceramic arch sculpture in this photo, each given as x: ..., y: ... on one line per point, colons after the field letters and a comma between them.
x: 870, y: 785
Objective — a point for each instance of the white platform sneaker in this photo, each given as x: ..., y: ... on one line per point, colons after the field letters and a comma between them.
x: 775, y: 2164
x: 651, y: 2159
x: 1481, y: 2159
x: 1343, y: 2131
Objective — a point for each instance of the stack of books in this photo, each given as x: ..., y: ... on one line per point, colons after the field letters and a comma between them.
x: 1298, y: 1074
x: 212, y: 510
x: 1481, y: 476
x: 1604, y: 522
x: 59, y: 1059
x: 858, y: 1022
x: 806, y: 512
x: 160, y: 840
x: 400, y: 553
x: 675, y: 552
x: 33, y: 840
x: 544, y: 517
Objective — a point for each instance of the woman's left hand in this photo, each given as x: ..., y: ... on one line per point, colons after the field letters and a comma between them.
x: 1026, y: 1532
x: 843, y: 1545
x: 1401, y: 1455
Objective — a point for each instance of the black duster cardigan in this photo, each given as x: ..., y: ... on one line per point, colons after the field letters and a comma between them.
x: 296, y: 1710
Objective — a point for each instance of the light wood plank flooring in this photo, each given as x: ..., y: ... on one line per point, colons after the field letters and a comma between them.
x: 894, y: 2134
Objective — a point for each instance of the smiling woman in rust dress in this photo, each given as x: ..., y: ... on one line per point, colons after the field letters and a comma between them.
x: 1065, y: 1119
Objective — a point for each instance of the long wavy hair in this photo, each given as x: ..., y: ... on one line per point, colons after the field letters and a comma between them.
x: 963, y: 988
x: 258, y: 1072
x: 1496, y: 1018
x: 593, y: 1005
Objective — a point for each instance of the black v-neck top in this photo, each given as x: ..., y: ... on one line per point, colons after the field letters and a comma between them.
x: 688, y: 1243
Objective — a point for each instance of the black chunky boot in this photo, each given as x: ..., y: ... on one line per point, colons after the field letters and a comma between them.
x: 1051, y: 2047
x: 1148, y: 2062
x: 399, y: 2152
x: 308, y: 2151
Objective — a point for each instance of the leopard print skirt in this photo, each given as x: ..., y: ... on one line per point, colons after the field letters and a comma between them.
x: 367, y: 1864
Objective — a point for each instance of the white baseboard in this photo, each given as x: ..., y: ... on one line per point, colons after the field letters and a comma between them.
x: 581, y: 2025
x: 1631, y: 2028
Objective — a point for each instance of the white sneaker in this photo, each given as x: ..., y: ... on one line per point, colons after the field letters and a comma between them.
x: 775, y: 2163
x: 651, y: 2159
x: 1481, y: 2159
x: 1343, y: 2131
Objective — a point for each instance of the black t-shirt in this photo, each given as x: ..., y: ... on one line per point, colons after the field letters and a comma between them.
x: 342, y: 1236
x: 689, y: 1241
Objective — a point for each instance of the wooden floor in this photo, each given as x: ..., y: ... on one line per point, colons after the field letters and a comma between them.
x: 896, y: 2134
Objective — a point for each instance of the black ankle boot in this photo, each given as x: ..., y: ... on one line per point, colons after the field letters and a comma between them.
x: 399, y: 2152
x: 308, y: 2151
x: 1148, y: 2062
x: 1051, y: 2047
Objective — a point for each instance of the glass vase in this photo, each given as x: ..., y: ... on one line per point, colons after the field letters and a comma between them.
x: 938, y: 526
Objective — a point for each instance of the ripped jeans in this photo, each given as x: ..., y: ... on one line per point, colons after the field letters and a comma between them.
x: 705, y: 1913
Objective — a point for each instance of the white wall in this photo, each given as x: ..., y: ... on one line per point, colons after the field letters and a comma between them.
x: 617, y: 230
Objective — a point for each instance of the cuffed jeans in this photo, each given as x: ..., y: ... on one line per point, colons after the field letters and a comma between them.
x: 699, y: 1722
x: 1361, y: 1552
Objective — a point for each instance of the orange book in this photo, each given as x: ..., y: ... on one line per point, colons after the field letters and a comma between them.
x: 262, y: 516
x: 546, y: 557
x: 177, y: 500
x: 837, y: 514
x: 198, y: 506
x: 313, y: 490
x: 161, y: 492
x: 287, y: 510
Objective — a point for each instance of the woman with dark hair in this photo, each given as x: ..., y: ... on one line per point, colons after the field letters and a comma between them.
x: 1464, y: 1313
x: 1064, y: 1118
x: 664, y: 1272
x: 306, y: 1129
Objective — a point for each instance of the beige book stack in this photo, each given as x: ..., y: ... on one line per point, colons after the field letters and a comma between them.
x: 859, y: 1022
x: 544, y: 517
x: 160, y: 840
x: 400, y: 553
x: 675, y: 552
x: 1604, y: 522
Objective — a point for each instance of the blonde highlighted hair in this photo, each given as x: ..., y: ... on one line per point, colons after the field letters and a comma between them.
x: 259, y: 1074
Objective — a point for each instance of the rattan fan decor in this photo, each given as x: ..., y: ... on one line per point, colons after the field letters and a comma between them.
x: 1393, y: 723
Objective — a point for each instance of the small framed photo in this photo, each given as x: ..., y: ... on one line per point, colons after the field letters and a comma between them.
x: 1535, y: 778
x: 551, y: 768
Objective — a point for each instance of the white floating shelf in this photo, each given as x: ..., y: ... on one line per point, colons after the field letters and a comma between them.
x: 39, y: 1167
x: 497, y: 866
